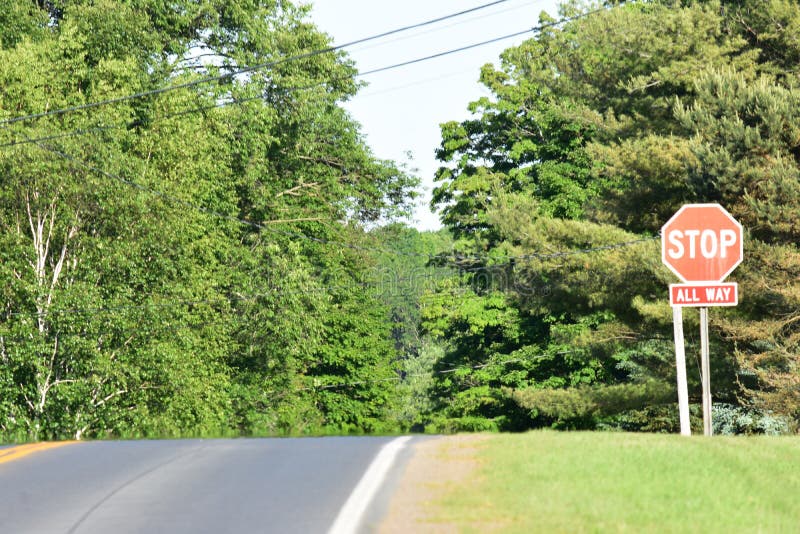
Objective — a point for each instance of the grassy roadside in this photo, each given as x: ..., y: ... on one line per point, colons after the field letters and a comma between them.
x: 612, y: 482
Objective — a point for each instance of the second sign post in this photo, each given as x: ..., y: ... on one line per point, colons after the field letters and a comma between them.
x: 702, y: 244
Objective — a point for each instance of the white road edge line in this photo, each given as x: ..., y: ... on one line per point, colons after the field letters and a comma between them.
x: 353, y: 510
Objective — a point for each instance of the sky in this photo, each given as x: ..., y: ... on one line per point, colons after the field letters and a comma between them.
x: 401, y: 109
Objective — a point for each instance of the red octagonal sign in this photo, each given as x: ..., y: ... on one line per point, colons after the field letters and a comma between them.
x: 702, y: 243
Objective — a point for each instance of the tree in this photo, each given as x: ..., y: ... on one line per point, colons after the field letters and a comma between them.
x: 408, y: 269
x: 648, y: 104
x: 167, y: 255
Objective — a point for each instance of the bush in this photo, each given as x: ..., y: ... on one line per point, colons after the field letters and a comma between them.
x: 728, y: 419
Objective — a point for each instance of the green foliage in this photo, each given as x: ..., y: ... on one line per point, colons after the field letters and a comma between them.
x: 747, y: 150
x: 134, y: 303
x: 731, y: 420
x: 596, y: 132
x: 583, y: 407
x: 415, y: 399
x: 405, y: 271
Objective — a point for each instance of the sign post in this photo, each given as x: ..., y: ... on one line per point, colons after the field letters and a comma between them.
x: 702, y: 244
x: 705, y: 365
x: 680, y: 366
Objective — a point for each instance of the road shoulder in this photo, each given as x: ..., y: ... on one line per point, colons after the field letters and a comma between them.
x: 438, y: 467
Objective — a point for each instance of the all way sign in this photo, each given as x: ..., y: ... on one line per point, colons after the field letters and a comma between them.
x: 702, y: 244
x: 704, y: 295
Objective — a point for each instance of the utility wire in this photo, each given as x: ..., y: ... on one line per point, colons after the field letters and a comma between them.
x: 104, y: 335
x: 381, y: 287
x: 416, y: 83
x: 190, y: 205
x: 241, y: 101
x: 79, y: 163
x: 297, y: 235
x: 450, y: 370
x: 445, y: 27
x: 243, y: 70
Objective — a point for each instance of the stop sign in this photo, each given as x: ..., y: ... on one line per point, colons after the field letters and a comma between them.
x: 702, y: 243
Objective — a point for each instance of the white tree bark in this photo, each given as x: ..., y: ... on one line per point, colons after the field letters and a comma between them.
x: 48, y: 268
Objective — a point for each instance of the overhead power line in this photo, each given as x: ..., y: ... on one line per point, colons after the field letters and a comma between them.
x: 428, y: 31
x: 234, y: 102
x: 298, y: 235
x: 450, y: 370
x: 222, y: 299
x: 380, y: 286
x: 243, y: 70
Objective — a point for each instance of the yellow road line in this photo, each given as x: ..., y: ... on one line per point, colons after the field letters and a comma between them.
x: 20, y: 451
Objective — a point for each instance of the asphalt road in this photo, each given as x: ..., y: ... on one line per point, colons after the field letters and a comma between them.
x: 188, y: 486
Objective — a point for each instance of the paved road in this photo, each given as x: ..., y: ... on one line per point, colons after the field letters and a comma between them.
x: 186, y: 486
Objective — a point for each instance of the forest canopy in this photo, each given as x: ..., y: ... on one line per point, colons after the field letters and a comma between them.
x: 196, y: 239
x: 186, y: 261
x: 595, y: 133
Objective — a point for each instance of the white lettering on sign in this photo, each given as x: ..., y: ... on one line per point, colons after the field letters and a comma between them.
x: 687, y: 295
x: 703, y: 295
x: 718, y: 294
x: 710, y: 245
x: 727, y: 239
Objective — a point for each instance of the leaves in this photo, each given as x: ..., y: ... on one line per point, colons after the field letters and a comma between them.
x: 185, y: 262
x: 596, y: 132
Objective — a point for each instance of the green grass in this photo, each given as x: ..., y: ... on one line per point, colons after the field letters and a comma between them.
x: 614, y: 482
